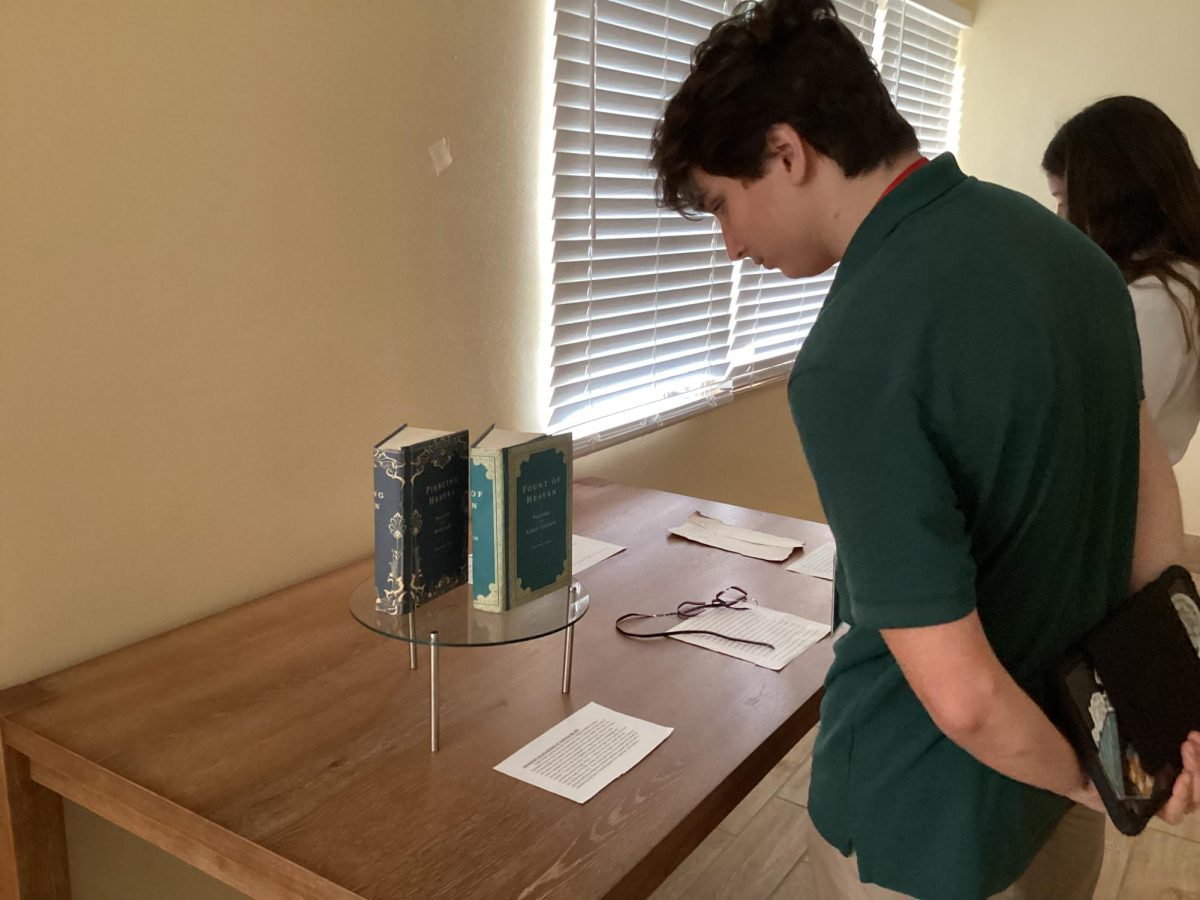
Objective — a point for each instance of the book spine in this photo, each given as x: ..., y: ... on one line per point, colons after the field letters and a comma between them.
x: 391, y: 490
x: 412, y: 533
x: 437, y: 539
x: 487, y: 505
x: 539, y: 520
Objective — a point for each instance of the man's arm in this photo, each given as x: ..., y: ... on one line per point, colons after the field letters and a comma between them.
x: 977, y: 704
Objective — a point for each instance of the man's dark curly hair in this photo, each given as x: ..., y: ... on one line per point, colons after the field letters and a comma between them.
x: 776, y: 62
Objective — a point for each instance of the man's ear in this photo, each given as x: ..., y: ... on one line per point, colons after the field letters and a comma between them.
x: 792, y: 151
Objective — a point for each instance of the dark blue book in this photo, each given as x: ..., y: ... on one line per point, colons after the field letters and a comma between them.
x: 520, y: 517
x: 421, y: 516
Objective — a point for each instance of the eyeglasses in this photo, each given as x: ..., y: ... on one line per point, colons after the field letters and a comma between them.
x: 732, y: 597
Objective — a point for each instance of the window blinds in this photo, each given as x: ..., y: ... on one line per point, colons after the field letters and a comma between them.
x: 649, y: 318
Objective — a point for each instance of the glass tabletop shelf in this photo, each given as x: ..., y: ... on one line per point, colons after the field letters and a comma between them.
x: 457, y: 623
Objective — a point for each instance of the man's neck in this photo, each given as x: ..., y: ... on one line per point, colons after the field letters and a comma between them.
x: 854, y: 198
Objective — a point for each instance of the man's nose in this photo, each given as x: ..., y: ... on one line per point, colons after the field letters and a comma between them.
x: 733, y: 247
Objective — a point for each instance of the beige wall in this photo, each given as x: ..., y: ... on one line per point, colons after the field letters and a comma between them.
x: 231, y: 268
x: 1030, y: 64
x: 227, y: 268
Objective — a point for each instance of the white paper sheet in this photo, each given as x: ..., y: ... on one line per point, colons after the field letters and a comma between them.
x: 790, y: 634
x: 757, y: 544
x: 585, y: 752
x: 586, y: 552
x: 818, y: 562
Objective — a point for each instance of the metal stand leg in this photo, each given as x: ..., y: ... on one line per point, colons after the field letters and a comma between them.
x: 412, y: 645
x: 567, y: 648
x: 433, y: 691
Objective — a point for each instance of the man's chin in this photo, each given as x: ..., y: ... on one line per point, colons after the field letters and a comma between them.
x: 795, y: 271
x: 809, y: 270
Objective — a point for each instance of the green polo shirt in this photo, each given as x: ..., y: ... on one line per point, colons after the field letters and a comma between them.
x: 968, y: 403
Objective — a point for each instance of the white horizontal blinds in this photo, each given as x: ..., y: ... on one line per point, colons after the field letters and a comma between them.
x: 774, y: 316
x: 774, y: 313
x: 859, y: 17
x: 641, y: 302
x: 918, y: 59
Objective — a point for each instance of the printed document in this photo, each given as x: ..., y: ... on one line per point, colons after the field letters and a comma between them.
x: 586, y: 552
x: 715, y: 533
x: 585, y: 752
x: 819, y: 562
x: 790, y: 635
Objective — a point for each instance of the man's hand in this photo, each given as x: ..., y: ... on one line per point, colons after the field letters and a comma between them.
x: 1089, y: 797
x: 1185, y: 798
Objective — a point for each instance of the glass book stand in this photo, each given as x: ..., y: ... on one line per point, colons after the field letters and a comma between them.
x: 452, y: 620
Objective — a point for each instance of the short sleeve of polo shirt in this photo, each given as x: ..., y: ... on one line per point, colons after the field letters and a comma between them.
x: 902, y: 542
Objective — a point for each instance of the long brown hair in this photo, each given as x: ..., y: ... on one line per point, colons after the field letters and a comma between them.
x: 1133, y: 187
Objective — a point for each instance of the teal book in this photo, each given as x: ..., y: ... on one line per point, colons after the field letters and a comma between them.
x: 520, y: 517
x: 421, y: 496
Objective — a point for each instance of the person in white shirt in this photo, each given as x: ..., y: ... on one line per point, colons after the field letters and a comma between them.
x: 1123, y: 172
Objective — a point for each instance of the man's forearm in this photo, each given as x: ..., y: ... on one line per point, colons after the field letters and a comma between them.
x: 1012, y: 735
x: 1015, y: 738
x: 973, y: 699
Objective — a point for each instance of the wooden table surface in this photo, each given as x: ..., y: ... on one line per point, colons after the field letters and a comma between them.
x: 284, y: 749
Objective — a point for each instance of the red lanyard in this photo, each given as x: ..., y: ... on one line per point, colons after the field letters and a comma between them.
x: 899, y: 178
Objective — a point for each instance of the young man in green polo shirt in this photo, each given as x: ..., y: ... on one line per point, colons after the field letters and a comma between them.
x: 969, y: 404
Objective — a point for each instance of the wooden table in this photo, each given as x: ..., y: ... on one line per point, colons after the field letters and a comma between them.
x: 283, y: 748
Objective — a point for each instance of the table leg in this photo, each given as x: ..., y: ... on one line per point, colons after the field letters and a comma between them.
x: 568, y: 648
x: 33, y: 842
x: 433, y: 691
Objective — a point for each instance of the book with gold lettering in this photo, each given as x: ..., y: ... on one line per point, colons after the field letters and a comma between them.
x: 421, y: 484
x: 520, y: 517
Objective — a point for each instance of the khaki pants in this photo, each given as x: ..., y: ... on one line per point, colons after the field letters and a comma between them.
x: 1066, y: 868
